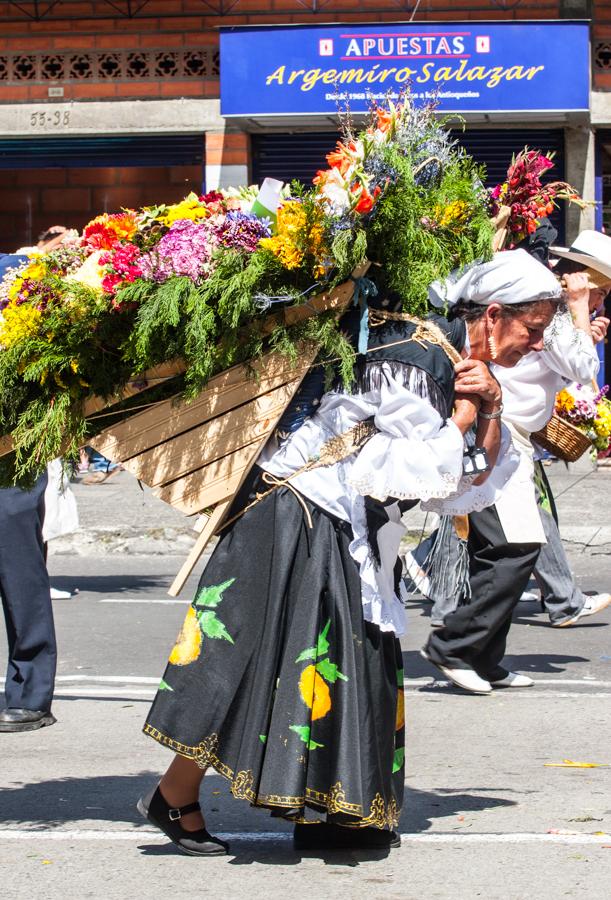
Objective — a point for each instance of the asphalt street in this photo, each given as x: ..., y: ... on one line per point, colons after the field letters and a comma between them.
x: 488, y: 812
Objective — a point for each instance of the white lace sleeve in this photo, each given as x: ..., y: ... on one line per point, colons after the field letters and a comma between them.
x: 416, y: 454
x: 569, y: 351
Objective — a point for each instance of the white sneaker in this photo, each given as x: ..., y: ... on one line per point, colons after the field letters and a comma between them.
x: 529, y: 597
x: 467, y: 679
x: 594, y: 604
x: 56, y: 594
x: 513, y: 680
x: 417, y: 574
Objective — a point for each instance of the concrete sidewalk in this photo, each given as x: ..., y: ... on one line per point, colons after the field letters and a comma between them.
x: 121, y: 516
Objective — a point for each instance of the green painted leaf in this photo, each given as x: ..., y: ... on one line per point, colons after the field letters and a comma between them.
x: 400, y: 677
x: 323, y: 644
x: 263, y: 738
x: 164, y: 686
x: 212, y: 626
x: 212, y: 596
x: 329, y: 671
x: 312, y: 745
x: 303, y: 731
x: 399, y: 759
x: 310, y: 653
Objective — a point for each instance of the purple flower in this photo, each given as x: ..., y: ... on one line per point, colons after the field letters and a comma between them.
x: 184, y: 250
x: 241, y: 231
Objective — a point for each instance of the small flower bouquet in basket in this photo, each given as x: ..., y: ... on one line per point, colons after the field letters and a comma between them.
x: 581, y: 421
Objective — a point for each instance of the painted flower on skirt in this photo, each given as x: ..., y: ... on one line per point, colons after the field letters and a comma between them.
x: 314, y: 684
x: 201, y: 621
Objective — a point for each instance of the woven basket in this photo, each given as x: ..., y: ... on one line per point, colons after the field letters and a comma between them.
x: 562, y: 439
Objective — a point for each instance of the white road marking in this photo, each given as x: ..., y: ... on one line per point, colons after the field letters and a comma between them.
x: 285, y: 836
x: 124, y: 686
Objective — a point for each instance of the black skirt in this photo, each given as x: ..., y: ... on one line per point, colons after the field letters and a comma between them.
x: 276, y: 680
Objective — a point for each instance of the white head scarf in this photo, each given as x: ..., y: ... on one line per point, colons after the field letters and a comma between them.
x: 510, y: 277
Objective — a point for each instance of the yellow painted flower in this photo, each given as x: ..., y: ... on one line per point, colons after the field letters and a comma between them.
x: 189, y: 641
x: 18, y: 323
x: 400, y: 720
x: 315, y: 692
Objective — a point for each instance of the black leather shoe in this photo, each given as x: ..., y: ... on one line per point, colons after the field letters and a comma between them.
x: 167, y: 819
x: 327, y: 836
x: 25, y: 719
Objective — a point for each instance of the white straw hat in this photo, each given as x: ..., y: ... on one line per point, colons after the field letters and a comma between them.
x: 590, y: 248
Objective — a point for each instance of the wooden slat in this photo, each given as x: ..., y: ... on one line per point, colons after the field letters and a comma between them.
x: 209, y: 485
x: 214, y: 520
x: 211, y: 440
x: 226, y: 391
x: 139, y: 383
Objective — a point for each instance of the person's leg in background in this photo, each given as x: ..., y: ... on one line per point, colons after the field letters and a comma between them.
x: 26, y: 601
x: 563, y: 600
x: 474, y: 636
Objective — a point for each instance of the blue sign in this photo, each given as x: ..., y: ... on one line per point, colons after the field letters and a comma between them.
x: 467, y: 66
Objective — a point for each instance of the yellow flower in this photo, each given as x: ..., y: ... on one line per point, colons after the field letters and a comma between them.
x: 564, y: 401
x: 454, y: 213
x: 18, y: 323
x: 189, y: 208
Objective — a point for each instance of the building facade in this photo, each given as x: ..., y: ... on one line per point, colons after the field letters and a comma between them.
x: 113, y: 103
x: 116, y: 103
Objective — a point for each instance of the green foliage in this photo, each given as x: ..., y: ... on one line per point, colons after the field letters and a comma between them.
x: 413, y: 236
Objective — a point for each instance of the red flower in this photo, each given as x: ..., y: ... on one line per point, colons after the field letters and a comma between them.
x: 366, y: 200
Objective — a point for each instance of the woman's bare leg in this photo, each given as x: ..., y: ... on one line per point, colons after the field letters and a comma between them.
x: 180, y: 785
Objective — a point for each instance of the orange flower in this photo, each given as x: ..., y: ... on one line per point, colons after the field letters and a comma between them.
x: 340, y: 158
x: 366, y: 200
x: 384, y: 119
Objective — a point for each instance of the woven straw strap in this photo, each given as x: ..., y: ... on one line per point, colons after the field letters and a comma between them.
x: 426, y: 332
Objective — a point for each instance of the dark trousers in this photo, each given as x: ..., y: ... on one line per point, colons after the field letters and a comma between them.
x: 26, y: 599
x: 475, y: 635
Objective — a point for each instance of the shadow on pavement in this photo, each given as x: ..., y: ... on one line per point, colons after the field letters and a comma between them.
x: 110, y: 584
x: 419, y: 807
x: 414, y: 666
x: 69, y: 800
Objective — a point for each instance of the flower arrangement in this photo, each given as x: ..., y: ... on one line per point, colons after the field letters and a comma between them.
x: 194, y: 279
x: 526, y: 198
x: 589, y: 411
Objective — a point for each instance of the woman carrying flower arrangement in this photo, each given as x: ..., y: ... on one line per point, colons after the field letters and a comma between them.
x: 286, y: 677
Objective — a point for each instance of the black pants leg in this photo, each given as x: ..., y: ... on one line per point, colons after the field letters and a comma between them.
x: 475, y: 635
x: 26, y: 599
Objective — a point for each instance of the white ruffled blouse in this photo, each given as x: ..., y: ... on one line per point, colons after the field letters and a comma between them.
x: 415, y: 454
